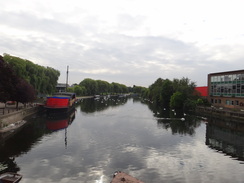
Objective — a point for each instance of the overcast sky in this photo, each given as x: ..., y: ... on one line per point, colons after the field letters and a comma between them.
x: 132, y: 42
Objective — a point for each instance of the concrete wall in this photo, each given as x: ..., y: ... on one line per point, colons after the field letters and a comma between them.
x: 16, y: 116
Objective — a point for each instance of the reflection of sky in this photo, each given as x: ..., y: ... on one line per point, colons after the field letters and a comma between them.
x: 125, y: 138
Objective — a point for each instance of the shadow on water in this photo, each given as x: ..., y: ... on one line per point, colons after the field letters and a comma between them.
x: 23, y: 141
x: 226, y: 137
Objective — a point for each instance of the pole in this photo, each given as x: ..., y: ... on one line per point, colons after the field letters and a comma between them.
x: 67, y: 78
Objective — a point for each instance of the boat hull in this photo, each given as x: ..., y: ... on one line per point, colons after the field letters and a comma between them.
x: 121, y: 177
x: 10, y: 177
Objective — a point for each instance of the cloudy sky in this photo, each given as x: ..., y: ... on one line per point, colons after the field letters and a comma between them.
x: 132, y: 42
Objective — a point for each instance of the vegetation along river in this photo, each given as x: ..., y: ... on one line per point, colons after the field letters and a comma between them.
x: 127, y: 134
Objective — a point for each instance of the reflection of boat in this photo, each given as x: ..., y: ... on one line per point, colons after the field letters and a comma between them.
x: 60, y: 103
x: 10, y: 177
x: 120, y: 177
x: 59, y: 123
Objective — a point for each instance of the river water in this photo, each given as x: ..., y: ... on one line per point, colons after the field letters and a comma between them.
x: 130, y: 135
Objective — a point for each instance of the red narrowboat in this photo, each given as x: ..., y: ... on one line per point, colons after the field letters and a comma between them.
x: 60, y: 103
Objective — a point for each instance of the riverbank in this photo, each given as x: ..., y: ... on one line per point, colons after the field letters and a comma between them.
x: 222, y: 113
x: 9, y: 114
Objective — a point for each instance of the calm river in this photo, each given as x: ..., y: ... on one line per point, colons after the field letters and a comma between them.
x: 126, y: 134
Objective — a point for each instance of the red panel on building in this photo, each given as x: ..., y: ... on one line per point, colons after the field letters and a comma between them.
x: 202, y: 90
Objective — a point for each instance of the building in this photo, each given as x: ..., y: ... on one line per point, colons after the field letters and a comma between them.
x: 61, y: 87
x: 201, y: 91
x: 226, y: 89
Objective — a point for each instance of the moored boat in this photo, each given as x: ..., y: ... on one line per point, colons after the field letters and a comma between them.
x: 60, y: 103
x: 10, y: 177
x: 121, y: 177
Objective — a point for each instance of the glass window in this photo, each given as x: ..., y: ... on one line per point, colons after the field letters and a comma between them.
x: 222, y: 78
x: 242, y: 88
x: 238, y: 77
x: 230, y: 78
x: 242, y: 77
x: 234, y: 77
x: 237, y: 102
x: 212, y: 79
x: 226, y: 77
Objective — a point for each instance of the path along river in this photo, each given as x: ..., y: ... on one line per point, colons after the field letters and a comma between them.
x: 126, y: 134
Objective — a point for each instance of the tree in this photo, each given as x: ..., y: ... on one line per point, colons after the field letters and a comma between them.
x: 13, y: 87
x: 80, y: 90
x: 102, y: 86
x: 155, y: 90
x: 43, y: 79
x: 8, y: 81
x: 166, y: 93
x: 177, y: 100
x: 90, y: 85
x: 24, y: 92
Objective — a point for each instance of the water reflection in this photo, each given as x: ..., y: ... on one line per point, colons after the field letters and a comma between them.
x: 226, y: 137
x: 186, y: 127
x: 106, y: 135
x: 30, y: 135
x: 102, y: 103
x: 60, y: 122
x: 175, y: 120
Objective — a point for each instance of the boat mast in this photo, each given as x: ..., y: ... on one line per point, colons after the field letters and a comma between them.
x: 67, y: 78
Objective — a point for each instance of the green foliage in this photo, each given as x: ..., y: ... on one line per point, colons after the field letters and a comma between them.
x: 166, y: 93
x: 43, y: 79
x: 12, y: 87
x: 175, y: 94
x: 94, y: 87
x: 190, y: 104
x: 177, y: 100
x: 90, y: 85
x: 80, y: 90
x: 156, y: 90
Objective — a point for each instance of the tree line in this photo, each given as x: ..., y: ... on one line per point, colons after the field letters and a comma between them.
x: 21, y: 79
x: 176, y: 94
x: 90, y: 87
x: 43, y: 79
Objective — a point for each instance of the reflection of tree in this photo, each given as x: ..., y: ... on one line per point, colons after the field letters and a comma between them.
x: 226, y: 137
x: 91, y: 105
x: 178, y: 126
x: 174, y: 120
x: 21, y: 142
x: 24, y: 140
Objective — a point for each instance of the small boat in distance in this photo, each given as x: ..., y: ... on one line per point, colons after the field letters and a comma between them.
x: 10, y: 177
x: 121, y: 177
x: 60, y: 103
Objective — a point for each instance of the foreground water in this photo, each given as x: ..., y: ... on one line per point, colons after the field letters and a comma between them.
x: 103, y: 136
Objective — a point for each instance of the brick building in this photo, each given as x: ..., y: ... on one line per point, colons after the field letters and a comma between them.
x: 226, y: 89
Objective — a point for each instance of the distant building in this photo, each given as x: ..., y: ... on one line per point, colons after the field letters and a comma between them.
x: 61, y: 87
x: 226, y: 89
x: 202, y: 91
